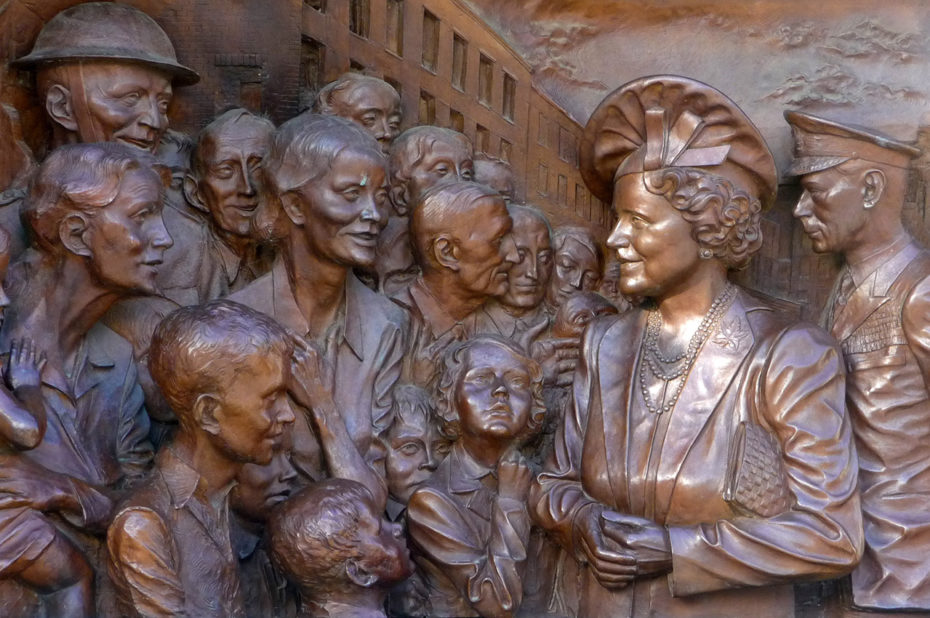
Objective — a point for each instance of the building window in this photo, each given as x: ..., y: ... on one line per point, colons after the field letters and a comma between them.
x: 563, y: 190
x: 542, y: 179
x: 510, y: 94
x: 485, y: 75
x: 316, y: 5
x: 506, y: 150
x: 395, y: 26
x: 359, y: 17
x: 581, y: 202
x: 542, y: 135
x: 312, y: 59
x: 482, y: 139
x: 456, y: 121
x: 430, y: 41
x: 568, y: 147
x: 459, y: 61
x: 427, y: 114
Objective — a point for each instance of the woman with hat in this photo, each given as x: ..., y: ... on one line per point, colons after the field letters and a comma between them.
x: 709, y: 462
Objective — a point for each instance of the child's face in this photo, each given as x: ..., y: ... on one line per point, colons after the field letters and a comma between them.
x: 382, y: 546
x: 494, y: 396
x: 443, y: 162
x: 261, y: 488
x: 413, y: 455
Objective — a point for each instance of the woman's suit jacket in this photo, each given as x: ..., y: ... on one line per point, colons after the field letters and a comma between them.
x: 786, y: 377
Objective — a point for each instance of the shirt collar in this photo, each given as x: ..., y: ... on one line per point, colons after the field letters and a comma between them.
x: 287, y: 312
x: 183, y: 481
x: 435, y: 317
x: 467, y: 473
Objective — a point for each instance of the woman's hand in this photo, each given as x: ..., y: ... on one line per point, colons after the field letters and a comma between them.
x: 612, y: 566
x: 558, y: 358
x: 645, y: 540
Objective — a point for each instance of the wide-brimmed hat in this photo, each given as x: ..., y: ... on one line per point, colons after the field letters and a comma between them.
x: 820, y: 144
x: 107, y: 31
x: 666, y: 121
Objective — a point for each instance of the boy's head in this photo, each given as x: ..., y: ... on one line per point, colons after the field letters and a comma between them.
x: 371, y: 103
x: 224, y: 369
x: 577, y: 311
x: 497, y: 174
x: 331, y: 536
x: 259, y: 488
x: 492, y: 390
x: 415, y: 446
x: 423, y: 157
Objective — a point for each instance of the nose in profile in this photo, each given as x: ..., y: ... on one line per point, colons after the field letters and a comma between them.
x: 803, y: 207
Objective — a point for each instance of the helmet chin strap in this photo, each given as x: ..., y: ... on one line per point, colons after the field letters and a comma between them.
x: 86, y: 106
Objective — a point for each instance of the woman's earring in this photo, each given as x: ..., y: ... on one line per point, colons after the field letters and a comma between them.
x: 706, y: 253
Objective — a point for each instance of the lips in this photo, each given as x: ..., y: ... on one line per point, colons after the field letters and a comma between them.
x: 366, y: 239
x: 139, y: 142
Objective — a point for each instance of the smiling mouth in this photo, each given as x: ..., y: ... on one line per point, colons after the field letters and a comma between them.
x: 246, y: 208
x: 138, y: 142
x: 367, y: 239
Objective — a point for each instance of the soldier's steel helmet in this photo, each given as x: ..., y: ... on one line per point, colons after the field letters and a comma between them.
x: 107, y: 31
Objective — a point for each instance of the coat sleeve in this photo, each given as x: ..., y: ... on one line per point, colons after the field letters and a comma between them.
x: 488, y: 572
x: 800, y: 395
x: 915, y: 318
x: 556, y: 496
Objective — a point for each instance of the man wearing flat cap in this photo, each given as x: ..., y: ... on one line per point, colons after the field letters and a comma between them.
x: 854, y: 181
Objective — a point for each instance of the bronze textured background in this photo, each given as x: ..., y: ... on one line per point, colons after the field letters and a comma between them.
x: 858, y: 61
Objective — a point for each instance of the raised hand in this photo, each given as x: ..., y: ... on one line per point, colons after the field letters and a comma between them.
x: 513, y: 477
x: 25, y: 365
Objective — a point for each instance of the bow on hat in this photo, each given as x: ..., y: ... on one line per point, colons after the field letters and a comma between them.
x: 670, y: 121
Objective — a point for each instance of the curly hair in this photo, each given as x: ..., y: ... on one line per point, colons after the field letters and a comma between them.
x: 454, y: 368
x: 723, y: 217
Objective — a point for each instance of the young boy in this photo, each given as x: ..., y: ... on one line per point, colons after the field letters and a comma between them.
x: 469, y: 523
x: 332, y: 542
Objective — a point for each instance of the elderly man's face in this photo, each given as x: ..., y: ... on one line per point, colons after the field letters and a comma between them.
x: 486, y: 249
x: 127, y: 239
x: 122, y: 102
x: 346, y: 209
x: 376, y: 108
x: 528, y: 278
x: 231, y: 187
x: 831, y: 209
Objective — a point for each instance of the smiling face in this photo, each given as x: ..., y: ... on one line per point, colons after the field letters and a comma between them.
x: 444, y: 161
x: 231, y: 186
x: 127, y: 239
x: 252, y: 412
x: 375, y: 107
x: 346, y: 209
x: 831, y: 209
x: 494, y: 395
x: 529, y: 277
x: 262, y: 487
x: 121, y: 102
x: 654, y: 244
x: 576, y: 270
x: 486, y: 249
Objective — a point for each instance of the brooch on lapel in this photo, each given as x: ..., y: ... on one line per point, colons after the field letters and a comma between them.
x: 731, y: 334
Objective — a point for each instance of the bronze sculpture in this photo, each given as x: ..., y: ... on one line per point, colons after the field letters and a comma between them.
x: 225, y: 370
x: 332, y: 542
x: 577, y: 264
x: 104, y: 72
x: 647, y: 487
x: 497, y: 174
x: 469, y: 522
x: 225, y: 192
x: 461, y: 238
x: 854, y: 181
x: 369, y: 102
x: 330, y: 179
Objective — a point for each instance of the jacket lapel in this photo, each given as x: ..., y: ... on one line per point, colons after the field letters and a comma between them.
x: 708, y: 381
x: 615, y: 361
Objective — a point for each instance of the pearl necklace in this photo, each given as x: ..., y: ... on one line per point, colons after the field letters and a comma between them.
x: 678, y: 365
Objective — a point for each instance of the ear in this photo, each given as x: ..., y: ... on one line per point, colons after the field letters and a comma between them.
x: 358, y: 575
x: 290, y: 203
x: 72, y: 232
x: 192, y: 193
x: 400, y: 198
x: 445, y: 252
x: 59, y: 108
x: 874, y: 187
x: 205, y: 408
